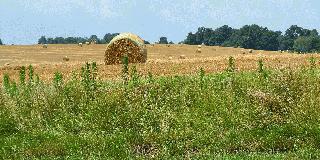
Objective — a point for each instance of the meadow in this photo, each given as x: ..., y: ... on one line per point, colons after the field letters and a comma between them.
x: 256, y: 113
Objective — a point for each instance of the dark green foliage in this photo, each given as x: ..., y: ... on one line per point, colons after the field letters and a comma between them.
x: 42, y: 40
x: 256, y: 37
x: 1, y: 42
x: 228, y: 115
x: 146, y: 42
x: 308, y: 44
x: 163, y: 40
x: 125, y: 69
x: 22, y: 75
x: 109, y: 36
x: 231, y: 65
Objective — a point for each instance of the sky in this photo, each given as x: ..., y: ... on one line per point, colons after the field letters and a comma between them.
x: 25, y: 21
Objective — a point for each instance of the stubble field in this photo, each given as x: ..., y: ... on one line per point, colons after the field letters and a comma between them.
x: 162, y: 59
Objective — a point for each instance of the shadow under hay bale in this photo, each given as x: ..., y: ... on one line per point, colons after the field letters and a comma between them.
x: 126, y: 44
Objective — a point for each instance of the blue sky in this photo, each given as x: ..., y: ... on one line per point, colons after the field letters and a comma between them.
x: 24, y: 21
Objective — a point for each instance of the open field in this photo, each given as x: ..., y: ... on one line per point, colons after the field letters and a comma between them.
x: 212, y: 59
x: 266, y: 112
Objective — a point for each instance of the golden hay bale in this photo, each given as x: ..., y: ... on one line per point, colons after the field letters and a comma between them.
x: 66, y: 58
x: 198, y: 50
x: 87, y: 43
x: 251, y: 51
x: 126, y: 44
x: 45, y: 46
x: 199, y: 46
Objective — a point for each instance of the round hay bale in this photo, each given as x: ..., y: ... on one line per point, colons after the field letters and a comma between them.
x: 126, y: 44
x: 199, y: 46
x: 45, y: 46
x: 87, y: 43
x: 182, y: 57
x: 251, y: 51
x: 170, y: 58
x: 198, y: 50
x: 66, y: 58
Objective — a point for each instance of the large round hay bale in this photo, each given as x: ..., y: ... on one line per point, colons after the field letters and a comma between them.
x: 126, y: 44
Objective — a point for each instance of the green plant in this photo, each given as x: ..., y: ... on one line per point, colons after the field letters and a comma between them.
x: 22, y: 75
x: 125, y: 69
x: 231, y: 64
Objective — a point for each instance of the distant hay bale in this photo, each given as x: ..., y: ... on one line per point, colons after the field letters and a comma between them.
x: 251, y: 51
x: 80, y: 44
x: 198, y: 50
x: 243, y: 52
x: 199, y: 46
x: 7, y: 64
x: 170, y: 58
x: 126, y: 44
x: 66, y: 58
x: 182, y: 57
x: 168, y: 45
x: 87, y: 43
x: 45, y: 46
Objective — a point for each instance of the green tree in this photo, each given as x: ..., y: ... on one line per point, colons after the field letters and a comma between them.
x: 94, y: 38
x: 163, y: 40
x: 221, y: 35
x: 191, y: 39
x: 146, y: 42
x: 109, y: 36
x: 42, y: 40
x: 306, y: 44
x: 1, y: 42
x: 59, y: 40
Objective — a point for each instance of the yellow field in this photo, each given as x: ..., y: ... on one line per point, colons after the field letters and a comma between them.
x: 162, y: 59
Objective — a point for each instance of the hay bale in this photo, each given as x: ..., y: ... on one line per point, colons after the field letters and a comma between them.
x: 66, y: 58
x: 198, y: 50
x: 182, y: 57
x: 45, y: 46
x: 199, y: 46
x: 251, y: 51
x: 80, y: 44
x: 126, y: 44
x: 87, y: 43
x: 170, y: 58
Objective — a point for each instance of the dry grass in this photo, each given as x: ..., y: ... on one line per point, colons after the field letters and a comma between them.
x: 162, y: 60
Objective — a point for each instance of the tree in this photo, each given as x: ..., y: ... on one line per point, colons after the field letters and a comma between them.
x: 1, y: 42
x: 146, y: 42
x: 109, y: 36
x: 94, y: 38
x: 59, y: 40
x: 191, y: 39
x: 307, y: 44
x: 163, y: 40
x: 42, y: 40
x: 221, y: 35
x: 171, y: 42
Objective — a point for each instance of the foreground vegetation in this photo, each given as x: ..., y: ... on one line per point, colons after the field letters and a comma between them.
x: 266, y: 114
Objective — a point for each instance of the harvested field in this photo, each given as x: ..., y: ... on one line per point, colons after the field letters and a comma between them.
x: 162, y: 60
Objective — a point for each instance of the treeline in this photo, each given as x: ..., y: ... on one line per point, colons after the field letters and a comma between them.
x: 253, y: 36
x: 1, y: 42
x: 75, y: 40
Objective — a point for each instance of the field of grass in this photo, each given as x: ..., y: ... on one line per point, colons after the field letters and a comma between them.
x: 260, y: 113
